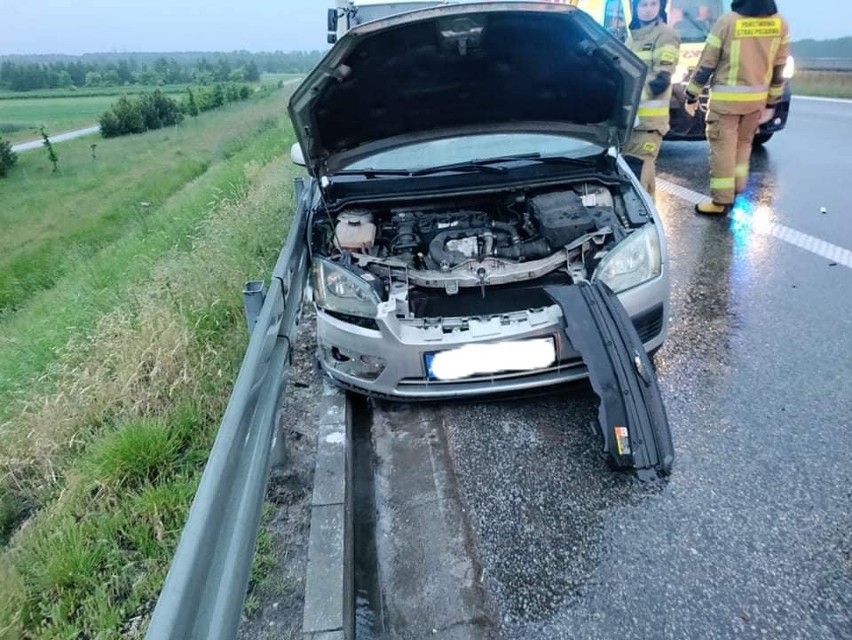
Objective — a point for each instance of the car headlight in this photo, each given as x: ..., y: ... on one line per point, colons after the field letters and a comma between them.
x: 336, y: 288
x: 789, y: 68
x: 635, y: 260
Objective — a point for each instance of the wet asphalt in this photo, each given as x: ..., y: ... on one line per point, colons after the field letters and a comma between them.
x: 751, y: 536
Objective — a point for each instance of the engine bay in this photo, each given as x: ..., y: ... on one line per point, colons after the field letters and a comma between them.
x: 476, y: 245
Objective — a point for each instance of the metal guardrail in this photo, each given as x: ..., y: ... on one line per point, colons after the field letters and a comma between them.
x: 206, y: 585
x: 824, y: 64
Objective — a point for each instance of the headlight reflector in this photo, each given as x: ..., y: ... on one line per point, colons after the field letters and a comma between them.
x: 636, y: 260
x: 338, y: 289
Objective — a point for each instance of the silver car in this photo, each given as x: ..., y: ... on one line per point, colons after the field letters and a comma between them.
x: 464, y: 161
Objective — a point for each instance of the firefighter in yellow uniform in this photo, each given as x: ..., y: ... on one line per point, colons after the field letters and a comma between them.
x: 658, y: 45
x: 744, y: 55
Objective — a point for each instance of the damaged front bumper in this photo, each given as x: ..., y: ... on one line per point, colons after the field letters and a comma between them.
x: 632, y: 419
x: 388, y: 357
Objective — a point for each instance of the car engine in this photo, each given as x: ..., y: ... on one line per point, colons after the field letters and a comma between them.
x: 467, y: 244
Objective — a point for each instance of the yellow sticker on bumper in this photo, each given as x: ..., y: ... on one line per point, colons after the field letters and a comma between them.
x: 622, y: 441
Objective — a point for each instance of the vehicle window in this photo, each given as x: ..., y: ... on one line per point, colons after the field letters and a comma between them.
x: 434, y: 153
x: 614, y: 19
x: 693, y: 19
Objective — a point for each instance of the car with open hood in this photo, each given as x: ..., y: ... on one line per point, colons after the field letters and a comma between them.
x: 464, y: 165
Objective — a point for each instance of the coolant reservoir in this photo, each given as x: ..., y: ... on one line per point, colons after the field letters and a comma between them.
x: 355, y: 231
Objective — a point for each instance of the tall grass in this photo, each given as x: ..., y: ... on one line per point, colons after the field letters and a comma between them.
x: 829, y: 84
x: 110, y: 443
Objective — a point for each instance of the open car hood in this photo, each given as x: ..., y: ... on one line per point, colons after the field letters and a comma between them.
x: 466, y: 69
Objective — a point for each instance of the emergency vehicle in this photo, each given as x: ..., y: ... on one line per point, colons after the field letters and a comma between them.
x: 692, y: 19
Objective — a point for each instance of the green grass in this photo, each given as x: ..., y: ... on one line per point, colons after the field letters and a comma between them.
x: 53, y: 222
x: 828, y: 84
x: 113, y: 381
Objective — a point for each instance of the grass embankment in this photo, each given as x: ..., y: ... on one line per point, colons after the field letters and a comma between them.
x: 53, y: 222
x: 115, y: 373
x: 827, y: 84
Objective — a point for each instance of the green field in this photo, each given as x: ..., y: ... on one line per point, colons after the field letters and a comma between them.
x: 121, y: 336
x: 21, y: 119
x: 828, y: 84
x: 88, y: 92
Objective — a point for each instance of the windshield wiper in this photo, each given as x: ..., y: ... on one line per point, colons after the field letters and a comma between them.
x: 487, y: 165
x: 477, y: 165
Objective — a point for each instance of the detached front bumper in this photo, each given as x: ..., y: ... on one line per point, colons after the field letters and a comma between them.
x: 685, y: 127
x: 388, y: 360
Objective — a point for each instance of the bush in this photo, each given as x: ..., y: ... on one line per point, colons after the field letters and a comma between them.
x: 150, y: 111
x: 7, y: 157
x: 146, y: 112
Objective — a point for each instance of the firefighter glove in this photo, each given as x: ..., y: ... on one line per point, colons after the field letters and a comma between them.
x: 660, y: 83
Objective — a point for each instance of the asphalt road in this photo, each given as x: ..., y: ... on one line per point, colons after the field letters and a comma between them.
x: 751, y: 537
x: 61, y: 137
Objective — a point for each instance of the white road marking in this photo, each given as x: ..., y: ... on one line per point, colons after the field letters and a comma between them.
x: 814, y: 245
x: 816, y: 99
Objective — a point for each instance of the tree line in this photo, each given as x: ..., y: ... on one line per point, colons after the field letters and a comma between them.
x: 837, y: 48
x: 28, y: 73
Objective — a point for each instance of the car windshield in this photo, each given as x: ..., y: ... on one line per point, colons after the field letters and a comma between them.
x: 436, y: 153
x: 693, y: 19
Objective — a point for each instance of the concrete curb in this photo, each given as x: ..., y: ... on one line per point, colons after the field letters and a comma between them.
x: 329, y: 583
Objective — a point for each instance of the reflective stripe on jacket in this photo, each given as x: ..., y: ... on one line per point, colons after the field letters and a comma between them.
x: 742, y: 54
x: 658, y: 46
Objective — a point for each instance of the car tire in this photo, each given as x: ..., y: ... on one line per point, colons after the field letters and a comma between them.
x: 761, y: 139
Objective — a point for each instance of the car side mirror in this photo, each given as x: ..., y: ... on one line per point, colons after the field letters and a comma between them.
x: 332, y: 19
x: 296, y: 155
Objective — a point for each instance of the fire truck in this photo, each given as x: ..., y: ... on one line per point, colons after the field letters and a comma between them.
x: 692, y: 19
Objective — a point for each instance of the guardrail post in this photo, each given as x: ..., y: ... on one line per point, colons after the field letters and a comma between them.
x: 254, y: 294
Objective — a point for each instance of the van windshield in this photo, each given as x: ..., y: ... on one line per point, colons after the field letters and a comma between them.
x: 370, y: 12
x: 693, y: 19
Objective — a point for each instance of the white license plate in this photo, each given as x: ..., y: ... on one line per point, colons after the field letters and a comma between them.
x: 496, y: 357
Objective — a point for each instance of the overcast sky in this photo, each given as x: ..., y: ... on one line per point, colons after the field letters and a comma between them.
x: 80, y: 26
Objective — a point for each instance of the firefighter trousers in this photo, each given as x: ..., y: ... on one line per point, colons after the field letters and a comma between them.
x: 645, y: 145
x: 730, y: 138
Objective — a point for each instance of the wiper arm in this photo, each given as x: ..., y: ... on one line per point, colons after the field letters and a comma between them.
x: 477, y: 165
x: 578, y: 162
x: 371, y: 173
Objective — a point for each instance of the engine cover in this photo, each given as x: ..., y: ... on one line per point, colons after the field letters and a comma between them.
x: 561, y: 217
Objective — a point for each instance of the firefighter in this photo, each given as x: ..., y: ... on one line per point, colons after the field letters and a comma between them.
x: 658, y: 45
x: 744, y: 55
